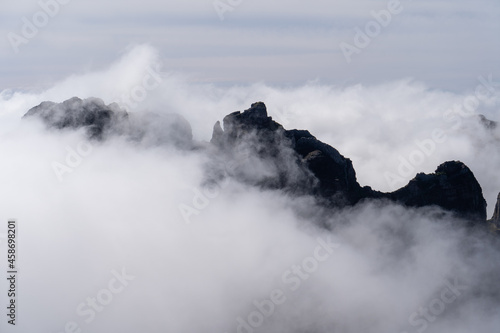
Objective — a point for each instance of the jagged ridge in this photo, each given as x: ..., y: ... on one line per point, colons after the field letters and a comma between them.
x: 302, y: 163
x: 452, y: 186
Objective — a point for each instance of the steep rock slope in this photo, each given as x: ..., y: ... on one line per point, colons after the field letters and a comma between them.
x: 291, y: 160
x: 100, y: 120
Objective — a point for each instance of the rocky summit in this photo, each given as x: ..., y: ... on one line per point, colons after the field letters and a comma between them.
x: 290, y: 160
x: 452, y: 186
x: 91, y: 113
x: 100, y: 120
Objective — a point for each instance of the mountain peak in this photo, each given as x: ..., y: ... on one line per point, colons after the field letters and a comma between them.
x: 289, y: 160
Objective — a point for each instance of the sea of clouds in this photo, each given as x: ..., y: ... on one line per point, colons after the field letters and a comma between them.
x: 104, y: 247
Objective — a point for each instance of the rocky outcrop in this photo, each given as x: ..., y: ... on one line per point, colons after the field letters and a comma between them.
x: 335, y: 173
x: 100, y: 120
x: 91, y: 114
x: 253, y: 124
x: 488, y: 124
x: 158, y: 129
x: 452, y: 187
x: 269, y: 160
x: 262, y: 153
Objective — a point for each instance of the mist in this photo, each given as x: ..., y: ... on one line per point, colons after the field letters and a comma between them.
x: 110, y: 231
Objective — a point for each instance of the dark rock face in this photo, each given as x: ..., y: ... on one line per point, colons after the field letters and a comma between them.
x: 316, y: 167
x: 100, y: 120
x: 452, y: 187
x: 489, y: 124
x: 75, y: 113
x: 153, y: 129
x: 262, y: 153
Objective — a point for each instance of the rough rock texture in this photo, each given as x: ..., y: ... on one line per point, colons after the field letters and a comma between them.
x: 261, y: 152
x: 240, y: 126
x: 74, y: 113
x: 336, y: 175
x: 452, y: 187
x: 100, y: 120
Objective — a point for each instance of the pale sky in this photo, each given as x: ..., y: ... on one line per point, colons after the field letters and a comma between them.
x: 445, y: 44
x: 117, y: 207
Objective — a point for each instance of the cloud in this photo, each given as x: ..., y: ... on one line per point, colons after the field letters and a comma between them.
x: 118, y: 209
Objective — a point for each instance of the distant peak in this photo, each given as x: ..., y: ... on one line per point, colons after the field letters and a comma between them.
x: 257, y: 110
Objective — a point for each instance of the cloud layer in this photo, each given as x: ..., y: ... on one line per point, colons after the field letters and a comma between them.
x: 387, y: 268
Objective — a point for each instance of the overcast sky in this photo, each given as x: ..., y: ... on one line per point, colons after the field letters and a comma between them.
x: 445, y: 44
x: 118, y: 206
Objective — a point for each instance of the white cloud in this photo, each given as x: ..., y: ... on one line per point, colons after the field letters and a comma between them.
x: 119, y: 208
